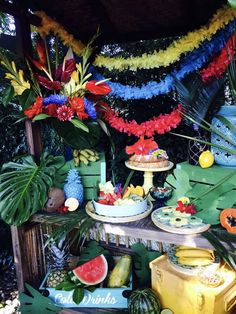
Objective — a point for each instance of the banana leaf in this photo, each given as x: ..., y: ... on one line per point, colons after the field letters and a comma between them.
x: 24, y: 186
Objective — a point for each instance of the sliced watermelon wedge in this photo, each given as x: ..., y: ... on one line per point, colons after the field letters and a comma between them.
x: 92, y: 272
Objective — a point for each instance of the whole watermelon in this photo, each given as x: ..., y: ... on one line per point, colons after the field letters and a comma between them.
x: 144, y: 301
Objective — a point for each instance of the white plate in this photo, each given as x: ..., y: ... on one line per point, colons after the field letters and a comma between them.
x: 188, y: 229
x: 91, y: 212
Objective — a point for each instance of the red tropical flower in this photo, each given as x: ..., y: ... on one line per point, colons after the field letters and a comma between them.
x: 51, y: 110
x: 77, y: 106
x: 64, y: 113
x: 45, y: 82
x: 35, y: 109
x: 97, y: 88
x: 64, y: 71
x: 40, y: 47
x: 186, y: 208
x: 142, y: 146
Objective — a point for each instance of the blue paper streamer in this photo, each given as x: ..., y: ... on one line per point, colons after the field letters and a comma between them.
x: 189, y: 63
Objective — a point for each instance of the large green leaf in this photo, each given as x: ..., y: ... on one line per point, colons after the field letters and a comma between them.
x: 7, y: 95
x: 141, y: 259
x: 75, y: 137
x: 27, y: 98
x: 24, y: 186
x: 180, y: 182
x: 36, y: 303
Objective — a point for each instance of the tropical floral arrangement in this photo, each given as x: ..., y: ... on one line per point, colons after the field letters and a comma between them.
x: 57, y: 90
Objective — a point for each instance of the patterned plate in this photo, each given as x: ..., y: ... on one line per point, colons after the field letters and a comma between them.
x: 190, y: 270
x: 186, y: 229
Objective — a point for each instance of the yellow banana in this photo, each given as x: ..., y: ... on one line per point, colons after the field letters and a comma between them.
x: 83, y: 159
x: 76, y: 161
x: 84, y: 153
x: 183, y: 247
x: 194, y: 253
x: 196, y: 261
x: 90, y: 151
x: 92, y: 158
x: 75, y: 153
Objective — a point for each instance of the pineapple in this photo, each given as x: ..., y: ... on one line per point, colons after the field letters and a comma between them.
x: 74, y: 188
x: 57, y: 261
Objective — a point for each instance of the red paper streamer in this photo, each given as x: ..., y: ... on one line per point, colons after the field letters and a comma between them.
x: 160, y: 125
x: 219, y: 63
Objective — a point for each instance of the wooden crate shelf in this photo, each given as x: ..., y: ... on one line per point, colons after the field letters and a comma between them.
x: 143, y: 229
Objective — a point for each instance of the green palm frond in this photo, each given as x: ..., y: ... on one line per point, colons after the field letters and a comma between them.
x: 218, y: 242
x: 198, y: 97
x: 79, y: 221
x: 24, y: 186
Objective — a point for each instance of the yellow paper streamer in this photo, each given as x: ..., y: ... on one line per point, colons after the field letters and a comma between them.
x: 172, y: 53
x: 49, y: 25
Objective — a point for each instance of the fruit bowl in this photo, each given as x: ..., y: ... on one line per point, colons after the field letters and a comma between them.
x: 161, y: 193
x: 120, y: 211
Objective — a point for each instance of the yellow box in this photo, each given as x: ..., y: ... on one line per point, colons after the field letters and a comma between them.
x: 185, y: 294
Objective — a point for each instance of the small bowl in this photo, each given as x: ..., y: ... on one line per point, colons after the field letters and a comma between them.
x: 161, y: 193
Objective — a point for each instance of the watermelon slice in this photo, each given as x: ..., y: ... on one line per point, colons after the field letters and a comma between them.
x: 92, y: 272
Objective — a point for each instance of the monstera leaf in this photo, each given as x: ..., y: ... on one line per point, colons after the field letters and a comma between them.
x: 36, y: 303
x: 24, y: 186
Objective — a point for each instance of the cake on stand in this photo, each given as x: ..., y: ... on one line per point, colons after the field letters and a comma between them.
x: 148, y: 175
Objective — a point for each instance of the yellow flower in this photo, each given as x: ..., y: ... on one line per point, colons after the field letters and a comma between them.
x: 185, y: 200
x: 17, y: 81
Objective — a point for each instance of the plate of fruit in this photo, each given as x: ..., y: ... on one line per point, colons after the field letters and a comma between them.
x: 192, y: 261
x: 112, y: 202
x: 179, y: 219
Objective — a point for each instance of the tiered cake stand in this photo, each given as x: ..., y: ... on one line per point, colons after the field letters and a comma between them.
x: 148, y: 174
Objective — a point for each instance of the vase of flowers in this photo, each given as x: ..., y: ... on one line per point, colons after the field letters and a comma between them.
x: 61, y: 92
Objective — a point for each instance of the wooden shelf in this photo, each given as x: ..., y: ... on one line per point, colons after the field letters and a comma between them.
x: 143, y: 229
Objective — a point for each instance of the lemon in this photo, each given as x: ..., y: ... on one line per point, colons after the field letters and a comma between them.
x: 206, y: 159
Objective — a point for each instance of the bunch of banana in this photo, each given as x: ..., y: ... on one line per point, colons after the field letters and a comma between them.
x: 84, y: 155
x: 194, y: 256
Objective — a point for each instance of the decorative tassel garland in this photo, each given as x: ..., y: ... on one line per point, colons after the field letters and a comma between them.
x: 219, y: 64
x: 173, y: 53
x: 190, y: 63
x: 49, y: 25
x: 160, y: 124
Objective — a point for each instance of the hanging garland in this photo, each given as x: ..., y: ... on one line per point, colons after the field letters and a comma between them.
x: 159, y: 58
x: 219, y: 63
x: 49, y: 25
x: 191, y: 62
x: 160, y: 124
x: 173, y: 53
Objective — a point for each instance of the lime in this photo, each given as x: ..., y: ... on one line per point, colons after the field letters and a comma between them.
x: 206, y: 159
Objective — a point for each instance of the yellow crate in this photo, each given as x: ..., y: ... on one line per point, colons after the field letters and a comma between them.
x: 185, y: 294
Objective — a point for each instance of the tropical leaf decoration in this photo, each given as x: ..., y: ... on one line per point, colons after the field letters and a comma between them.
x: 197, y: 99
x: 141, y: 258
x: 36, y: 303
x: 78, y: 137
x: 222, y: 242
x: 207, y: 200
x: 24, y: 186
x: 79, y: 222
